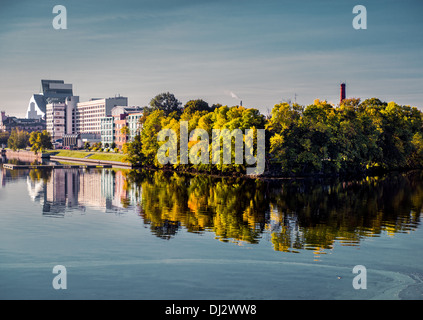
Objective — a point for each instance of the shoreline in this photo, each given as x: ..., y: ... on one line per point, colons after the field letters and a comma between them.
x: 25, y: 155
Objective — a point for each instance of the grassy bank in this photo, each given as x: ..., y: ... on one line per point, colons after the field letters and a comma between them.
x: 89, y: 155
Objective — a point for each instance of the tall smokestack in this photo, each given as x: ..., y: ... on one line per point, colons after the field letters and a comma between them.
x: 240, y: 104
x: 342, y: 92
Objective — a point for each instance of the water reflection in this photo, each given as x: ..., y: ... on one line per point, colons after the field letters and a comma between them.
x: 61, y: 191
x: 293, y: 215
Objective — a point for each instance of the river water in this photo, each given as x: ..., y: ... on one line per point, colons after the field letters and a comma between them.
x: 152, y: 235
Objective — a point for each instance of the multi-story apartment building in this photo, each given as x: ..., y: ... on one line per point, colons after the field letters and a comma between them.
x: 121, y: 117
x: 60, y: 117
x: 88, y: 114
x: 107, y: 131
x: 72, y: 117
x: 133, y: 123
x: 56, y: 120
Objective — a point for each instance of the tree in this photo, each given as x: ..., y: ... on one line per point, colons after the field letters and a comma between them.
x: 18, y: 140
x: 133, y: 151
x: 149, y: 143
x: 4, y: 136
x: 166, y: 102
x: 196, y: 105
x: 125, y: 131
x: 40, y: 141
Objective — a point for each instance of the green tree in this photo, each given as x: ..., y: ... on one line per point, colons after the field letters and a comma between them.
x: 40, y: 141
x: 133, y: 151
x: 149, y: 143
x: 196, y: 105
x: 4, y: 136
x: 18, y: 140
x: 166, y: 102
x: 125, y: 130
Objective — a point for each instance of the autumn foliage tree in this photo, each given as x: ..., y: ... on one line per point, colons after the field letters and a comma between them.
x: 354, y: 137
x: 40, y: 141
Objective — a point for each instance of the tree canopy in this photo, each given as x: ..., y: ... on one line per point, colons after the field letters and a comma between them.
x: 354, y: 137
x: 18, y: 139
x: 40, y: 141
x: 167, y: 102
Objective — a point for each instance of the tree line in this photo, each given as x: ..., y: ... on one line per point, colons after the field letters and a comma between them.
x: 354, y: 137
x: 20, y: 139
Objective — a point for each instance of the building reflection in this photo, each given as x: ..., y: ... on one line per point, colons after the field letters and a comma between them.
x: 77, y: 189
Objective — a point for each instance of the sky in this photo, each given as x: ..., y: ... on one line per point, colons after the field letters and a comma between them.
x: 261, y: 52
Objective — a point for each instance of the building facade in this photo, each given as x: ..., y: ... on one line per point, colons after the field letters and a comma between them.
x: 107, y: 131
x: 7, y: 124
x: 72, y: 117
x: 56, y: 120
x: 88, y: 114
x: 52, y: 91
x: 134, y: 125
x: 60, y: 117
x: 121, y: 127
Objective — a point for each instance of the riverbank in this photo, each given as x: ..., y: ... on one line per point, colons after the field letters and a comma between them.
x: 117, y: 157
x: 24, y: 155
x: 85, y: 157
x: 78, y: 157
x: 117, y: 161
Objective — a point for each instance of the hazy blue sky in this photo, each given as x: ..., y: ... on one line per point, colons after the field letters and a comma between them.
x: 263, y: 51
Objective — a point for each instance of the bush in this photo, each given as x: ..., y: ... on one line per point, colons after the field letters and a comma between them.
x: 116, y: 150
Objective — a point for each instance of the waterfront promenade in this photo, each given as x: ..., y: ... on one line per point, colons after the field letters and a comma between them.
x: 56, y: 161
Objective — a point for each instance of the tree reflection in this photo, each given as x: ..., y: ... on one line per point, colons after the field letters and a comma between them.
x: 296, y: 214
x: 312, y: 216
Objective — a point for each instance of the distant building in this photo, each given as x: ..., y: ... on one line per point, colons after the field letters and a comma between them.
x: 72, y: 141
x: 7, y: 124
x: 111, y: 127
x: 88, y: 114
x: 56, y: 120
x: 107, y: 131
x: 133, y: 123
x: 91, y: 138
x: 60, y: 117
x: 71, y: 117
x: 52, y: 91
x: 64, y: 114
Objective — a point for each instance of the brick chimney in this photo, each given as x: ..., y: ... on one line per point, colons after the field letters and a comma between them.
x: 342, y: 92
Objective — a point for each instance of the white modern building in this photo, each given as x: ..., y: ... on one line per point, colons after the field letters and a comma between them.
x: 60, y: 117
x: 73, y: 117
x: 56, y: 120
x: 52, y: 91
x: 88, y: 114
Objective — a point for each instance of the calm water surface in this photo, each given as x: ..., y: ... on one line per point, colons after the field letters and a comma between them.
x: 155, y: 235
